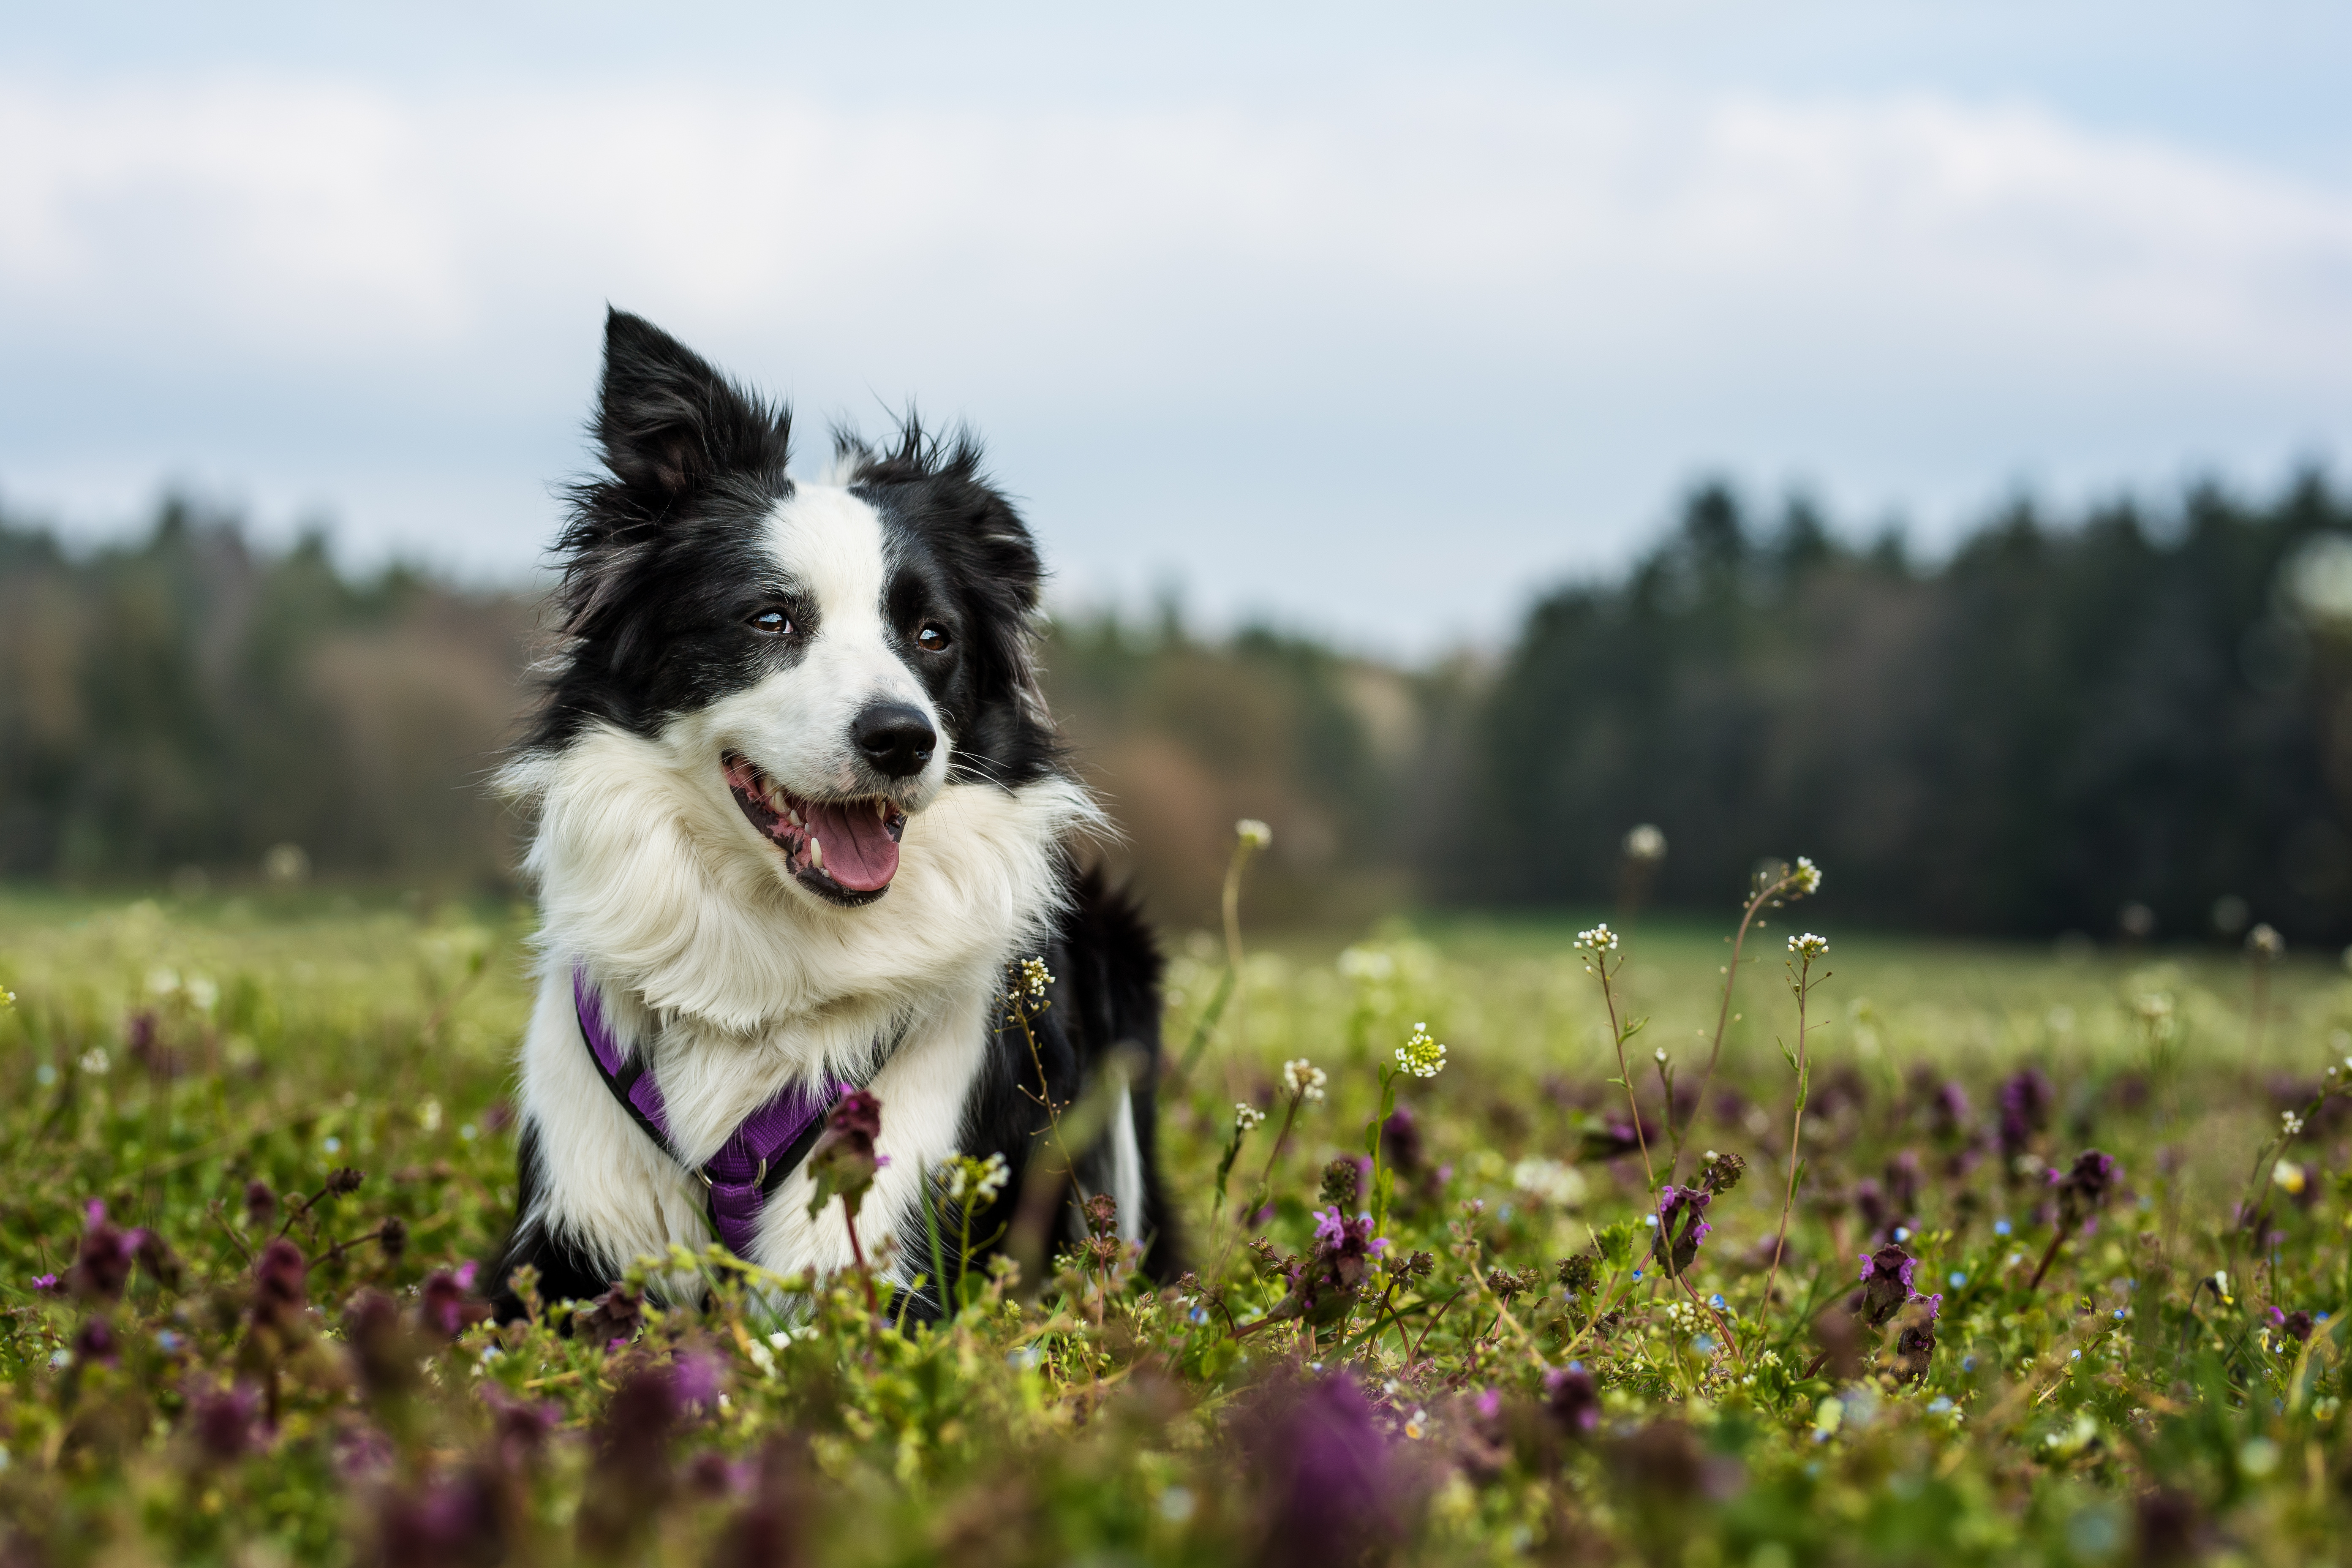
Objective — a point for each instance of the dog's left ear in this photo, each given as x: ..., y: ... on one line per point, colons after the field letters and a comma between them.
x: 669, y: 423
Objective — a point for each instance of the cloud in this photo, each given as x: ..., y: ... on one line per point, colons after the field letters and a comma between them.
x: 1597, y: 286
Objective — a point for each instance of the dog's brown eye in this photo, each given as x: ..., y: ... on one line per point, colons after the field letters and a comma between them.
x: 776, y: 623
x: 933, y: 638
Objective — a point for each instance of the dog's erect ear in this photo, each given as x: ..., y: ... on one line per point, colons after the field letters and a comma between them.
x: 669, y: 423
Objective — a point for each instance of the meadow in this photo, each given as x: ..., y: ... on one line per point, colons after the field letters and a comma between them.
x: 2063, y: 1278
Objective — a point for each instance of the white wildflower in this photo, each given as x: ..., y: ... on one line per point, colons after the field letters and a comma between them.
x: 2290, y: 1123
x: 1809, y: 946
x: 1305, y: 1078
x: 95, y: 1061
x: 1600, y: 939
x: 1254, y: 833
x: 1807, y: 877
x: 1422, y: 1055
x: 1246, y: 1116
x: 2264, y: 942
x: 1034, y: 977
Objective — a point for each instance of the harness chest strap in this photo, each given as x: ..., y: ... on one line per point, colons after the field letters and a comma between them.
x: 765, y: 1148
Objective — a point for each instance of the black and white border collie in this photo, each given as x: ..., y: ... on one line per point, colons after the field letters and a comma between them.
x: 799, y: 806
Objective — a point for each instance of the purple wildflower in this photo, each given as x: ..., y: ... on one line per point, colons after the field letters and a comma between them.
x: 44, y: 1281
x: 698, y: 1376
x: 1885, y: 1283
x: 94, y: 1341
x: 222, y: 1420
x: 843, y: 1161
x: 260, y: 1204
x: 612, y: 1319
x: 1682, y: 1226
x: 454, y: 1521
x: 444, y: 1307
x: 281, y: 1290
x: 2085, y: 1189
x: 1401, y: 1145
x: 101, y: 1266
x: 2025, y: 1101
x: 1947, y: 1113
x: 1572, y: 1399
x: 520, y: 1427
x: 1328, y: 1488
x: 1915, y: 1343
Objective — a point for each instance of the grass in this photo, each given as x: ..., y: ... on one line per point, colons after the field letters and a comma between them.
x: 1494, y: 1384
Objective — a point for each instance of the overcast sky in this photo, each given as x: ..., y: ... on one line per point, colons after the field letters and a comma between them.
x: 1370, y: 319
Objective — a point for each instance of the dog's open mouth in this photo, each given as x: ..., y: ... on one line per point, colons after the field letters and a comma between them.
x: 846, y: 851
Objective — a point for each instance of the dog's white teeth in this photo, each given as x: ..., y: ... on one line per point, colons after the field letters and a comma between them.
x: 795, y: 817
x: 816, y: 853
x: 882, y: 810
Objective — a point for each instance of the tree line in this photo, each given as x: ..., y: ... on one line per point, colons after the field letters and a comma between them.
x: 2138, y: 715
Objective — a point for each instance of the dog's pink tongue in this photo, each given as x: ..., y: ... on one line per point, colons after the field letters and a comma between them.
x: 859, y: 852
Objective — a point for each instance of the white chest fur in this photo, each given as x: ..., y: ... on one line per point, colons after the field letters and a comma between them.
x: 739, y: 984
x: 610, y: 1188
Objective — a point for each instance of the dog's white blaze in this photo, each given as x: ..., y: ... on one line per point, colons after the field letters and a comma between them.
x: 796, y: 725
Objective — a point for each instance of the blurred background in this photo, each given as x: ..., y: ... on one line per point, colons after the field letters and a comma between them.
x: 1906, y: 435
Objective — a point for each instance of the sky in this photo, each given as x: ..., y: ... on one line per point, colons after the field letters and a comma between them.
x: 1369, y: 321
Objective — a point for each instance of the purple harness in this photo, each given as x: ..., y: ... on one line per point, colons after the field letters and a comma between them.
x: 757, y: 1156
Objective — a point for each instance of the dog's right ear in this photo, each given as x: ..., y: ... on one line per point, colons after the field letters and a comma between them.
x: 669, y: 423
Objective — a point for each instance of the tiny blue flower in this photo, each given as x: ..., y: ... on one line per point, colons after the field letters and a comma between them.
x: 1956, y: 1279
x: 1715, y: 1301
x: 1637, y: 1273
x: 1939, y: 1405
x: 1968, y: 1363
x: 1650, y: 1220
x: 2120, y: 1314
x: 2001, y: 1226
x: 334, y: 1145
x: 1704, y: 1345
x: 1902, y: 1233
x: 1200, y: 1314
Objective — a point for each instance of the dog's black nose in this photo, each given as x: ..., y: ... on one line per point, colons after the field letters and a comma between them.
x: 895, y: 738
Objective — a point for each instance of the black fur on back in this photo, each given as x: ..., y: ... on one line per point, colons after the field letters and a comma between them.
x: 1107, y: 970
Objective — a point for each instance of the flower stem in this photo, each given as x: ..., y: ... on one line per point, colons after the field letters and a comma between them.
x: 1625, y: 1075
x: 1722, y: 1018
x: 1796, y: 1133
x: 857, y: 1255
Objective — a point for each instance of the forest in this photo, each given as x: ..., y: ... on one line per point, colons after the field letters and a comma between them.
x: 2128, y: 722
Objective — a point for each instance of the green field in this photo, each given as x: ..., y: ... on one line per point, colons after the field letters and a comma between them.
x: 211, y: 1401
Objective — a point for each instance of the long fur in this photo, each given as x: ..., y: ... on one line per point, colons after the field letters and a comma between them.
x: 720, y: 949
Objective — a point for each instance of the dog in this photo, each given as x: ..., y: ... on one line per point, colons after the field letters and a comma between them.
x: 799, y: 814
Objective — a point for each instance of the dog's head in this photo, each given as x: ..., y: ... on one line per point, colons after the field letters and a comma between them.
x: 829, y: 656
